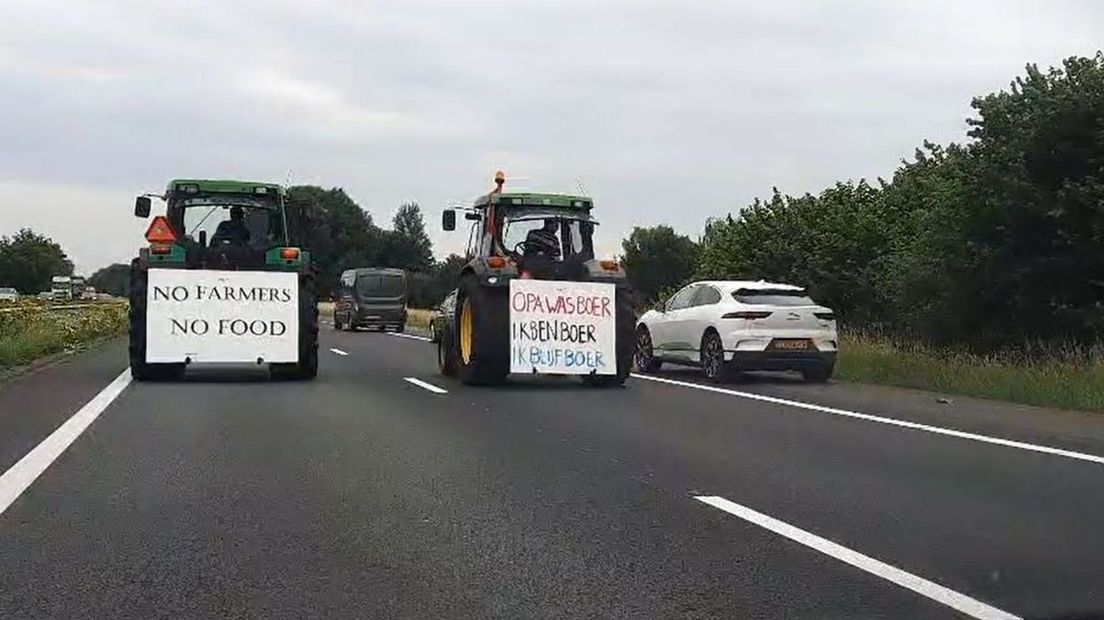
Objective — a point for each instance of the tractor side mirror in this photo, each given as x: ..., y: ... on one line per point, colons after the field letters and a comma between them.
x: 142, y: 206
x: 448, y: 219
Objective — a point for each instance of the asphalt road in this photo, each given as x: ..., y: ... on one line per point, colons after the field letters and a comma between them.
x: 364, y: 494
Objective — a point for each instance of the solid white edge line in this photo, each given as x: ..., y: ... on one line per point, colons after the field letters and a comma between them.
x: 950, y: 598
x: 30, y: 467
x: 411, y: 336
x: 938, y: 430
x: 339, y: 351
x: 425, y: 386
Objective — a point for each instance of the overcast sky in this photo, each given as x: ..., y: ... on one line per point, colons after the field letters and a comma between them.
x: 666, y: 112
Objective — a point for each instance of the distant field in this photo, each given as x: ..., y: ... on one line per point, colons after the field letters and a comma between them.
x: 30, y: 330
x: 1062, y: 377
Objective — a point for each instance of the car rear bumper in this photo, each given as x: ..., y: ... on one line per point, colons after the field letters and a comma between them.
x: 780, y: 360
x: 374, y: 316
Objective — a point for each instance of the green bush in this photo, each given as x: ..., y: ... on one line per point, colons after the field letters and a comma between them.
x: 988, y: 244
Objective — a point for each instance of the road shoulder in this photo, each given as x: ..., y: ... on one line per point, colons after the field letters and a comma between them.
x: 36, y: 402
x: 1071, y: 430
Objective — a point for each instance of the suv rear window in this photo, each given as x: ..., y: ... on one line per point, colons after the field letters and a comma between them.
x: 379, y: 285
x: 773, y: 297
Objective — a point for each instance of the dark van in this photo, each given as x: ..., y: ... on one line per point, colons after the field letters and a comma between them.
x: 371, y: 298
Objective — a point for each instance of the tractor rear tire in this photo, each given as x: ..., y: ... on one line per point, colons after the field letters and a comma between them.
x: 487, y: 313
x: 307, y: 366
x: 139, y: 369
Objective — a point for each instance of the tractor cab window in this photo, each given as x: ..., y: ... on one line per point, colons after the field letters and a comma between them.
x: 533, y: 237
x: 254, y: 226
x: 380, y: 285
x: 556, y: 235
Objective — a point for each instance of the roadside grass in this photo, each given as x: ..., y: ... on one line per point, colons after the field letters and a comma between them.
x: 34, y: 330
x: 418, y: 318
x: 1066, y: 377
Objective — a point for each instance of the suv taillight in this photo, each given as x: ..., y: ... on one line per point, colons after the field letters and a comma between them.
x: 747, y: 314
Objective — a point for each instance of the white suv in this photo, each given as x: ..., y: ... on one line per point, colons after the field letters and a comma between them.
x: 739, y: 325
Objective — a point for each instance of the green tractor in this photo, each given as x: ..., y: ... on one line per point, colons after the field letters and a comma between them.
x: 533, y: 299
x: 221, y: 282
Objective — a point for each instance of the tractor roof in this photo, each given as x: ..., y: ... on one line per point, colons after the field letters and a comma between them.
x: 528, y: 199
x: 224, y: 186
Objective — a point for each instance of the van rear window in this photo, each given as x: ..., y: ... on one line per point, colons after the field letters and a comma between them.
x: 773, y: 297
x: 380, y: 285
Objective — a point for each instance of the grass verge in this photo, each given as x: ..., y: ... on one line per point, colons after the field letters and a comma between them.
x: 33, y: 331
x: 1062, y: 377
x: 418, y: 318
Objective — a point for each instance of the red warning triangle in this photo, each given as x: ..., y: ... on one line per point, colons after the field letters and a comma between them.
x: 160, y: 231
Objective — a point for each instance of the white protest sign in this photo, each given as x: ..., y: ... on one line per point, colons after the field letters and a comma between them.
x: 222, y: 316
x: 563, y: 327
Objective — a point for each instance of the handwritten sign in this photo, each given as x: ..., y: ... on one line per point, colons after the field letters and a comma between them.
x: 563, y: 327
x: 222, y: 316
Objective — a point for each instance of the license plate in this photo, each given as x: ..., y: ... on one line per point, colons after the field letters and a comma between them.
x: 791, y: 344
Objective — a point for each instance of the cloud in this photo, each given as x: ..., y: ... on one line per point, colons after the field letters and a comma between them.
x: 665, y: 111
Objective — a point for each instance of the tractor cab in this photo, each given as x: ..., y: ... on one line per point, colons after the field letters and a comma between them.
x: 537, y: 236
x: 545, y: 240
x: 220, y: 224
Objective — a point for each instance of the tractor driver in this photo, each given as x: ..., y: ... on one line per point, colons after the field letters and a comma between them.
x: 232, y: 231
x: 543, y: 241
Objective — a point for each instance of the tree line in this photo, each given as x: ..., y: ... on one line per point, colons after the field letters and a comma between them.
x: 994, y: 243
x: 341, y: 235
x: 29, y: 260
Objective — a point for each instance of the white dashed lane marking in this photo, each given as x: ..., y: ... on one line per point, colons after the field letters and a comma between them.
x: 425, y: 386
x: 934, y: 591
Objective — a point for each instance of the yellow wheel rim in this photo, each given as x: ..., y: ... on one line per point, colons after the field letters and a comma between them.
x: 467, y: 328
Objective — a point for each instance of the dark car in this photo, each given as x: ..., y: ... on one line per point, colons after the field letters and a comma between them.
x: 371, y: 297
x: 446, y: 309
